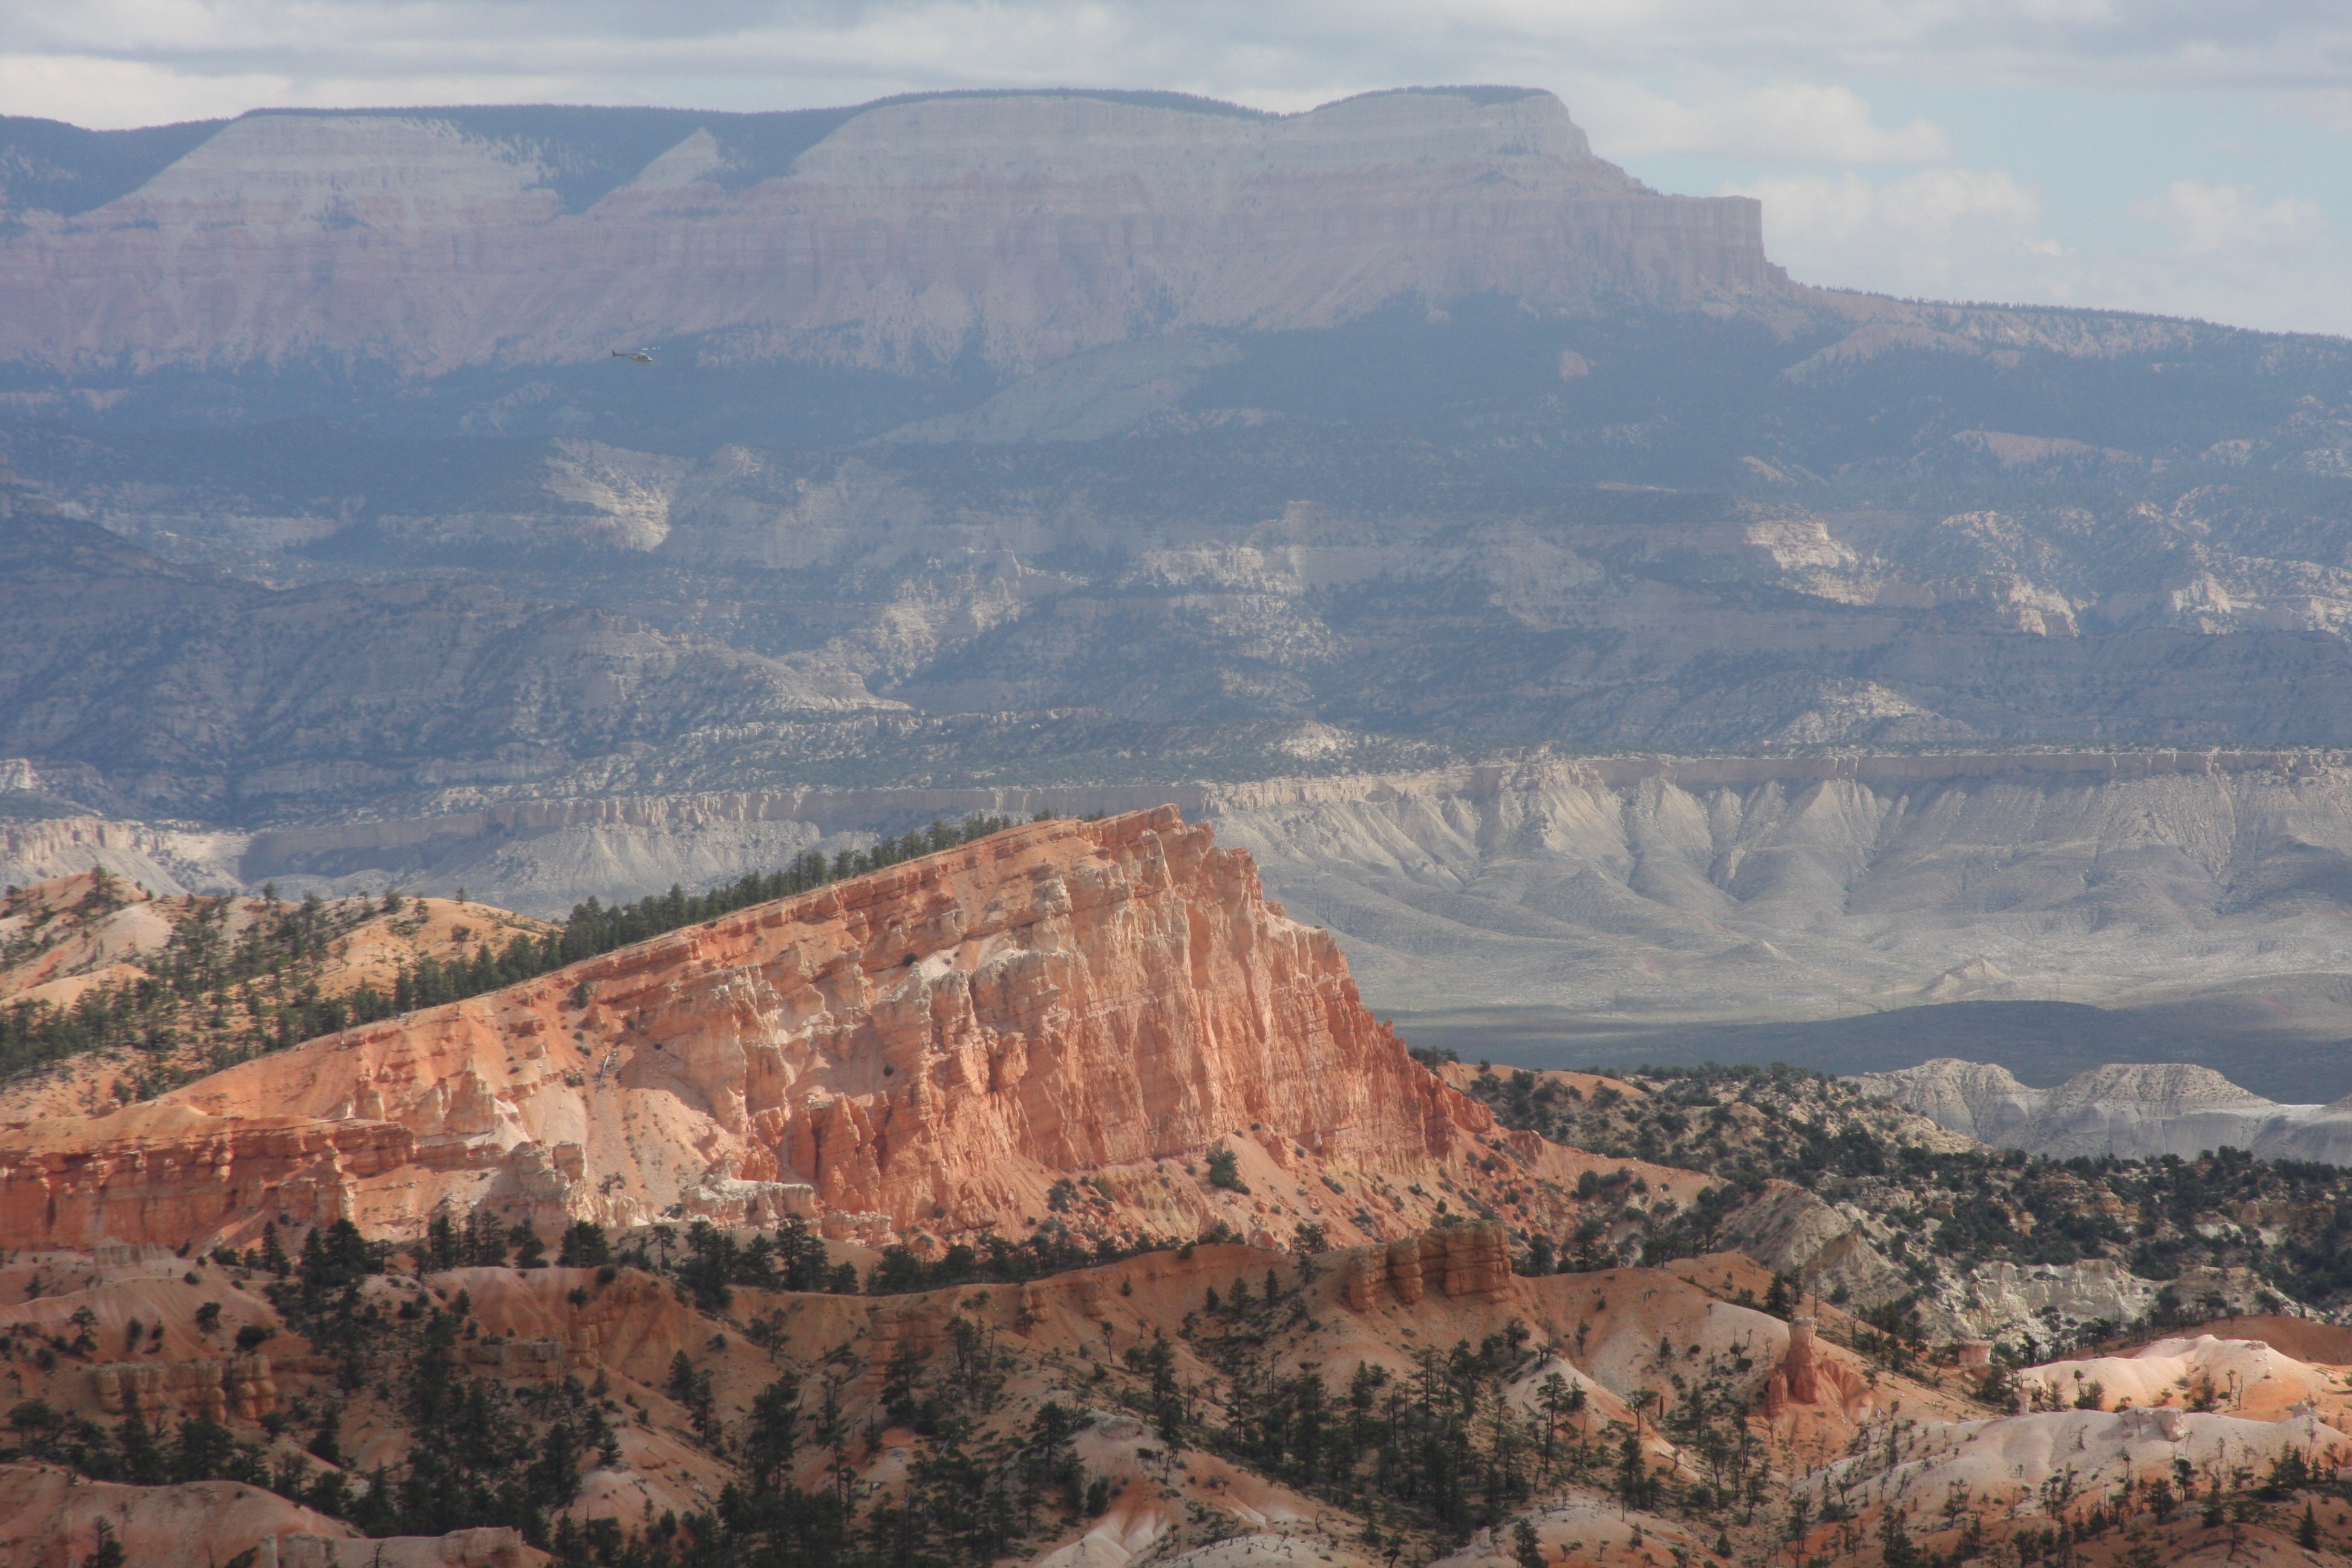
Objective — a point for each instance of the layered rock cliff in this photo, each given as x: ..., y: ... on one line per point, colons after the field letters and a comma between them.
x: 1620, y: 888
x: 1025, y: 227
x: 927, y: 1048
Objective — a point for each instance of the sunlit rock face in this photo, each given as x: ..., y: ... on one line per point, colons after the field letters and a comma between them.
x: 928, y: 1048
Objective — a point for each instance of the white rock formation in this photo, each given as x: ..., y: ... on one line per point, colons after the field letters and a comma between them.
x: 2138, y: 1109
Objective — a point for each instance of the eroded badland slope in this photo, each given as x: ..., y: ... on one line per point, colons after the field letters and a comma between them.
x: 114, y: 994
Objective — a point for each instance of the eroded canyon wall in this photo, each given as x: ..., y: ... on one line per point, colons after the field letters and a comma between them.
x: 927, y: 1049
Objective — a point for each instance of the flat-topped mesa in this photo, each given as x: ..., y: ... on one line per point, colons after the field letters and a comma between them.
x: 930, y: 1047
x: 1025, y: 228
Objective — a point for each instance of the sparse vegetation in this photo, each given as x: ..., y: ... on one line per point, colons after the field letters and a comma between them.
x: 213, y: 999
x: 2287, y: 1224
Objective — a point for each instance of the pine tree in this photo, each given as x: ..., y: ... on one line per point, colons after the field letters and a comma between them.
x: 485, y: 1245
x: 2306, y: 1534
x: 206, y: 1451
x: 584, y: 1246
x: 327, y: 1444
x: 108, y: 1551
x: 440, y: 1244
x: 772, y: 1435
x: 142, y: 1461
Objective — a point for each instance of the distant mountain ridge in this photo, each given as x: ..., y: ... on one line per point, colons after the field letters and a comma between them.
x: 2138, y: 1109
x: 1059, y: 444
x: 1017, y: 228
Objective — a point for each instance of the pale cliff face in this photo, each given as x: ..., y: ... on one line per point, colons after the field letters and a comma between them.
x: 1030, y: 228
x: 2136, y: 1109
x: 927, y: 1048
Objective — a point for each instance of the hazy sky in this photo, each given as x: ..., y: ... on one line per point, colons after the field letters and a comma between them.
x: 2188, y: 156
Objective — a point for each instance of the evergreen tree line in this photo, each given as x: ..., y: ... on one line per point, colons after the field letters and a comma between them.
x: 709, y: 1262
x: 1443, y: 1449
x: 248, y: 994
x: 259, y: 993
x: 593, y: 928
x: 972, y: 1497
x: 1439, y: 1449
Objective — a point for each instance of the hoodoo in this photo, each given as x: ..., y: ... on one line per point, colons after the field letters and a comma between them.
x: 929, y: 1049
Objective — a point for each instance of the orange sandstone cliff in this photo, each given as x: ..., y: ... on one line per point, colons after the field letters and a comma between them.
x: 925, y: 1050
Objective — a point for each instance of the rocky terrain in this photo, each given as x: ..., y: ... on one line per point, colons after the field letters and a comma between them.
x: 1382, y: 543
x: 1049, y: 1196
x: 1581, y: 619
x: 925, y: 1050
x: 108, y: 994
x: 194, y: 680
x: 1930, y: 1235
x: 1635, y: 908
x: 2139, y: 1110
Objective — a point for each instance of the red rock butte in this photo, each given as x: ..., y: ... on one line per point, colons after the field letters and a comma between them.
x: 927, y: 1048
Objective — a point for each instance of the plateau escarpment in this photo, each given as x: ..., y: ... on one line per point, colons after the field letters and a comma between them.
x: 1025, y: 226
x: 925, y: 1050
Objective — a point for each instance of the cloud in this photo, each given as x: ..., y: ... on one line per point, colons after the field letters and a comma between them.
x: 1285, y: 53
x: 1974, y: 234
x: 1787, y: 122
x: 2207, y: 219
x: 1930, y: 233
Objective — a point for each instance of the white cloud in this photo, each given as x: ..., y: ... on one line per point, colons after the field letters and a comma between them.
x: 2207, y: 219
x: 67, y: 87
x: 1957, y: 233
x: 1787, y: 121
x: 123, y: 92
x: 1931, y: 233
x: 1278, y: 53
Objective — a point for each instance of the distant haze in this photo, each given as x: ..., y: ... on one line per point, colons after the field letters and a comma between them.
x: 2187, y: 160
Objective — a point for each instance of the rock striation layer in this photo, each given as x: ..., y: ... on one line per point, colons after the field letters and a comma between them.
x: 929, y: 1048
x: 1026, y: 227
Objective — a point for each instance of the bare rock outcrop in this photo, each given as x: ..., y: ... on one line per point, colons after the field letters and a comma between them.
x: 157, y: 1170
x: 1805, y: 1378
x: 212, y: 1389
x: 1793, y: 1231
x: 2138, y: 1109
x: 927, y: 1047
x: 49, y: 1515
x: 1449, y: 1261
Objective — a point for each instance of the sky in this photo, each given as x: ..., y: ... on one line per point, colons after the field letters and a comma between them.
x: 2190, y: 157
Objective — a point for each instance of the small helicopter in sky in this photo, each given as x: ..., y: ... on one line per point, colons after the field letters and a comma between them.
x: 634, y: 356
